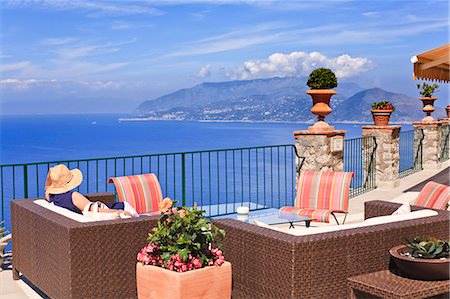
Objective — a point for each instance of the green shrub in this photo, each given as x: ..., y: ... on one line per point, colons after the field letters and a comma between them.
x: 383, y: 105
x: 322, y: 78
x: 428, y: 248
x: 427, y: 90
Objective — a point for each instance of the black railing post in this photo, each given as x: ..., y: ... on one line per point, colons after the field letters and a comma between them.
x: 25, y: 181
x: 183, y: 179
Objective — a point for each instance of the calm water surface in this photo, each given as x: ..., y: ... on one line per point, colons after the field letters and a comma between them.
x: 55, y: 137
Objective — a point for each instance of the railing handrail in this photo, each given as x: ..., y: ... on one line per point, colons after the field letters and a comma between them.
x: 357, y: 138
x: 152, y: 155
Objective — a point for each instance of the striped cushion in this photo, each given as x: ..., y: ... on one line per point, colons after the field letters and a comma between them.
x: 429, y: 194
x: 141, y: 191
x: 320, y: 215
x: 323, y: 190
x: 442, y: 201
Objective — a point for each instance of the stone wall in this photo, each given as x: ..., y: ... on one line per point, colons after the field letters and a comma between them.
x: 431, y: 143
x: 387, y: 154
x: 317, y: 149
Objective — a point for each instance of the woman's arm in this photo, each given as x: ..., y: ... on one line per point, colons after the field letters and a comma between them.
x: 80, y: 201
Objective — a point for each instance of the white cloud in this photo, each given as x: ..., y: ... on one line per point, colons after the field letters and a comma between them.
x: 299, y: 64
x: 19, y: 85
x: 16, y: 66
x: 95, y: 8
x: 205, y: 71
x: 58, y: 41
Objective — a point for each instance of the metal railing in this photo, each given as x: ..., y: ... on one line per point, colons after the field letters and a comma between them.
x: 444, y: 143
x: 360, y: 158
x: 410, y: 161
x: 217, y: 180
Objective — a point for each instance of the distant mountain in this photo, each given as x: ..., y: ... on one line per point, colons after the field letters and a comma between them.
x: 357, y: 107
x: 206, y: 94
x: 274, y: 99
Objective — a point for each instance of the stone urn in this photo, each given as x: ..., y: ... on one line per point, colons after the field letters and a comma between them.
x: 418, y: 268
x: 321, y: 106
x: 447, y: 109
x: 213, y: 282
x: 428, y: 108
x: 381, y: 117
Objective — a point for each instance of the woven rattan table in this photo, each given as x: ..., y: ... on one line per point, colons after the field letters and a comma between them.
x: 384, y: 284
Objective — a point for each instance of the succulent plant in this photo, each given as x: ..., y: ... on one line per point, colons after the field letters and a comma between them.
x: 427, y: 90
x: 322, y: 78
x: 428, y: 247
x: 383, y: 105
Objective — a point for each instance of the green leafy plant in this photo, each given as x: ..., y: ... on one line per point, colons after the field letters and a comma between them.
x: 428, y: 247
x: 383, y: 105
x: 322, y: 78
x: 183, y: 240
x: 427, y: 90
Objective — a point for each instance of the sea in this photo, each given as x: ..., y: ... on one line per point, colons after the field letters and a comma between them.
x: 49, y: 138
x: 36, y: 138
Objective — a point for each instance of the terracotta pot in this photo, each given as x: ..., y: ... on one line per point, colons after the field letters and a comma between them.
x: 159, y: 283
x: 381, y: 117
x: 321, y: 102
x: 447, y: 108
x: 428, y: 107
x: 421, y: 269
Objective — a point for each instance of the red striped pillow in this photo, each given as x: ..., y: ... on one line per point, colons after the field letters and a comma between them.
x: 442, y: 201
x: 142, y: 191
x: 429, y: 194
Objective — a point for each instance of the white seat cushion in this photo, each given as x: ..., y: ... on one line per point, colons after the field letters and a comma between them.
x: 63, y: 211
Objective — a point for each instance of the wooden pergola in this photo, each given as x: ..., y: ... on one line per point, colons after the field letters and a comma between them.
x: 433, y: 65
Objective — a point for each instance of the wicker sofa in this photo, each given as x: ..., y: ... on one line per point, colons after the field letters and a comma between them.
x: 68, y: 259
x: 272, y: 264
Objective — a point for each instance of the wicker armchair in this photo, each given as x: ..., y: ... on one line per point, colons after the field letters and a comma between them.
x: 68, y: 259
x: 271, y: 264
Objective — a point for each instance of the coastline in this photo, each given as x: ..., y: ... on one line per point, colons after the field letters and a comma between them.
x: 348, y: 122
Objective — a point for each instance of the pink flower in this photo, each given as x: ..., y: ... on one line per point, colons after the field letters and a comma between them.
x: 182, y: 213
x: 196, y: 263
x: 165, y: 205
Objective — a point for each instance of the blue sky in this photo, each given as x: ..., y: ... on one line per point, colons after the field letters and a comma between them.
x: 111, y: 55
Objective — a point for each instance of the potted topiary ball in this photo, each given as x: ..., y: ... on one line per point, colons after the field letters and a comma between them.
x: 321, y: 81
x: 183, y: 258
x: 427, y: 91
x: 381, y: 112
x: 422, y: 258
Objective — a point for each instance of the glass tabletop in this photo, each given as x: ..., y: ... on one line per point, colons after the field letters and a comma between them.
x: 268, y: 216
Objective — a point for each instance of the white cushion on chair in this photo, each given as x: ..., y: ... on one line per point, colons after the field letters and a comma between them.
x: 62, y: 211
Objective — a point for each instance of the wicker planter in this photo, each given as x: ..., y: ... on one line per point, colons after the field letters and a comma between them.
x: 381, y: 117
x: 421, y: 269
x: 321, y: 102
x: 159, y: 283
x: 428, y: 107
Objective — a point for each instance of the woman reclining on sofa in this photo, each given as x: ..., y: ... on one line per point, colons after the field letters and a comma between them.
x: 58, y: 190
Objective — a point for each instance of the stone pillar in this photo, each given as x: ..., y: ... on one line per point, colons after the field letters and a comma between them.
x: 387, y: 155
x: 445, y: 146
x: 322, y: 149
x: 431, y: 143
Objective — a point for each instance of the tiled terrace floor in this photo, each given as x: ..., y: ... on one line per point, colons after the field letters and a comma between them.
x: 20, y: 289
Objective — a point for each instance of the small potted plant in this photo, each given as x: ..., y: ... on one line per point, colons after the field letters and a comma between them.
x: 183, y: 258
x: 427, y: 91
x: 381, y: 112
x: 423, y: 258
x: 321, y: 81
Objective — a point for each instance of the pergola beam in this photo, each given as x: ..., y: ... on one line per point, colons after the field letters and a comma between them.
x: 443, y: 60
